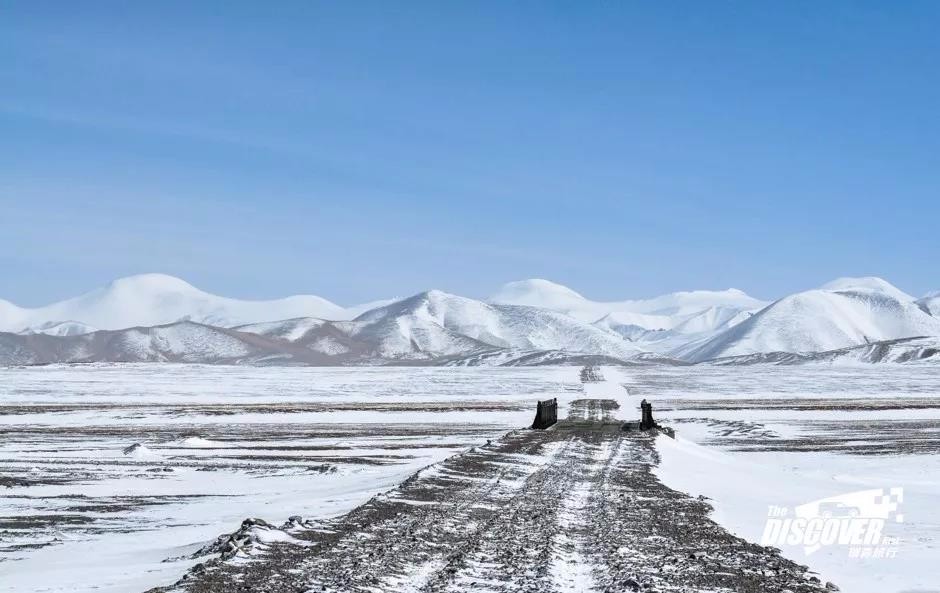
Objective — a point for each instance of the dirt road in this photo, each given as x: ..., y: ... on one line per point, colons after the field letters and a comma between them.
x: 572, y: 508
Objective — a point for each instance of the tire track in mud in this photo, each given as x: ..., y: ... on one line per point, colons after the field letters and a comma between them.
x: 573, y: 508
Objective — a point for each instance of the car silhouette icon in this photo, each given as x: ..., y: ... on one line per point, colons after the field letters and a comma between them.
x: 838, y: 509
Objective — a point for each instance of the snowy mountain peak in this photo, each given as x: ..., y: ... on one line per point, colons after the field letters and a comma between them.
x: 437, y: 296
x: 867, y: 283
x: 429, y: 302
x: 442, y: 324
x: 157, y: 299
x: 848, y: 314
x: 149, y: 283
x: 658, y: 313
x: 536, y: 292
x: 432, y: 303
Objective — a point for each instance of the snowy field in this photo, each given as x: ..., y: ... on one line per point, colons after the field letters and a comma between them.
x: 218, y: 444
x: 753, y: 437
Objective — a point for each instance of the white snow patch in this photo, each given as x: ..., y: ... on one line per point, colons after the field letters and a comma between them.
x: 201, y: 443
x: 138, y: 451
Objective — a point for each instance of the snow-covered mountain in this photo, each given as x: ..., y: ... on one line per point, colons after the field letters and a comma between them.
x: 931, y: 303
x: 842, y: 314
x: 158, y: 299
x: 435, y: 324
x: 433, y: 327
x: 658, y: 324
x: 291, y: 330
x: 160, y: 318
x: 903, y: 350
x: 685, y: 330
x: 536, y: 292
x: 662, y: 312
x: 431, y: 321
x: 867, y: 283
x: 60, y: 328
x: 183, y: 341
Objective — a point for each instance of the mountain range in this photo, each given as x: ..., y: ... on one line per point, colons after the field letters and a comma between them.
x: 158, y: 299
x: 154, y: 318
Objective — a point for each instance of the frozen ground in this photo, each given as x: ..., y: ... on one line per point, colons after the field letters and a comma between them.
x: 782, y: 436
x: 574, y: 508
x: 218, y: 445
x: 223, y: 443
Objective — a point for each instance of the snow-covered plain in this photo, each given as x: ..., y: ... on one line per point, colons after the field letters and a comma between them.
x: 219, y: 444
x: 786, y: 436
x: 78, y: 514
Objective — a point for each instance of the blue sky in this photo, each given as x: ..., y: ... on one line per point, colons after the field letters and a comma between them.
x: 358, y: 150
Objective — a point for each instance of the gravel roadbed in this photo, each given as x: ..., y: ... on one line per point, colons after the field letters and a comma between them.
x: 572, y: 508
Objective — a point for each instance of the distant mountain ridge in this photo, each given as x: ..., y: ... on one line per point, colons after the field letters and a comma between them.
x: 431, y: 328
x: 158, y: 318
x: 183, y: 341
x: 659, y: 324
x: 158, y: 299
x: 840, y: 316
x: 659, y: 311
x: 902, y: 350
x: 434, y: 325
